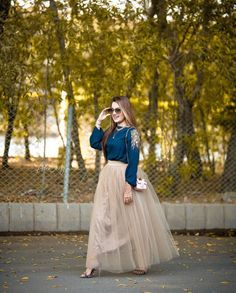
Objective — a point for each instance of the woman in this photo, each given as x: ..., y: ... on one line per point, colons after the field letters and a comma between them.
x: 128, y: 229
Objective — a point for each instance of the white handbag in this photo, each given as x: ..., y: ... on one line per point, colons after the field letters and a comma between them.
x: 141, y: 184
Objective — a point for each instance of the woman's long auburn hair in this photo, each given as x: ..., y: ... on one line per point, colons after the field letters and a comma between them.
x: 127, y: 110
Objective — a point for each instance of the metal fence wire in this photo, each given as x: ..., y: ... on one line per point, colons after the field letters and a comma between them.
x: 62, y: 61
x: 187, y: 158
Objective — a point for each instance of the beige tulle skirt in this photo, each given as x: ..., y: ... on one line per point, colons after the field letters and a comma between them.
x: 123, y: 237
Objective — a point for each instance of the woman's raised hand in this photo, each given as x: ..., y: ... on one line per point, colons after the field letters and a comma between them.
x: 102, y: 116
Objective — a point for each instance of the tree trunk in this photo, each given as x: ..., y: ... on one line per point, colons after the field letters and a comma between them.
x: 69, y: 89
x: 57, y: 122
x: 133, y: 79
x: 98, y: 153
x: 229, y: 175
x: 191, y: 147
x: 77, y: 149
x: 178, y: 154
x: 26, y: 140
x: 211, y: 163
x: 150, y: 130
x: 186, y: 142
x: 12, y: 110
x: 4, y: 11
x: 185, y: 126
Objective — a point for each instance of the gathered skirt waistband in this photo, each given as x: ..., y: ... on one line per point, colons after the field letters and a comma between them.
x: 116, y: 163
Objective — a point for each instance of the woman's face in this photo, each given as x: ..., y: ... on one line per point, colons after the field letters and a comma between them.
x: 117, y: 115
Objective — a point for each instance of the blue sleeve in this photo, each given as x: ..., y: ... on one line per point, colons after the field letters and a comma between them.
x: 133, y: 146
x: 96, y: 138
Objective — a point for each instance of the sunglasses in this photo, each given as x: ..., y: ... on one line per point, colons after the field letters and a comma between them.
x: 111, y: 110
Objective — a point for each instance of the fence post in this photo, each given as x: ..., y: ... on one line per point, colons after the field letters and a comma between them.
x: 68, y: 152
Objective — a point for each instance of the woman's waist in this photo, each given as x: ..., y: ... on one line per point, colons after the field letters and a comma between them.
x: 116, y: 163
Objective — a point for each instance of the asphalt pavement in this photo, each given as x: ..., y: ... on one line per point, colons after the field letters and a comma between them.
x: 54, y: 262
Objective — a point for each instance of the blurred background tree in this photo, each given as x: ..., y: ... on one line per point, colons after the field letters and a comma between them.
x: 174, y: 60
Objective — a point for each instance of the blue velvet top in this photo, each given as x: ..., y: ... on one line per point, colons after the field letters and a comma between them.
x: 116, y: 149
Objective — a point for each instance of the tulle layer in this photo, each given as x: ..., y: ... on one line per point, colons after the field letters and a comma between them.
x: 124, y: 237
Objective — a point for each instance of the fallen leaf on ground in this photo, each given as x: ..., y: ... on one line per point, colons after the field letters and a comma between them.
x: 122, y: 285
x: 210, y: 244
x: 51, y: 277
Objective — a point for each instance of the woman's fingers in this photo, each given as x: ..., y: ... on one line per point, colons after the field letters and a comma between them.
x: 128, y: 195
x: 106, y: 108
x: 128, y: 199
x: 104, y: 114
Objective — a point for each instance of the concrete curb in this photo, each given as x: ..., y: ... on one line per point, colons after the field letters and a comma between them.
x: 60, y: 217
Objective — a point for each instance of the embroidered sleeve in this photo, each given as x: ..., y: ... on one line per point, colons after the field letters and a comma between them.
x: 133, y: 148
x: 135, y: 139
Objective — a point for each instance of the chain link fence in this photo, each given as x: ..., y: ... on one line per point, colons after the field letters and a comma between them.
x: 186, y: 160
x: 175, y: 61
